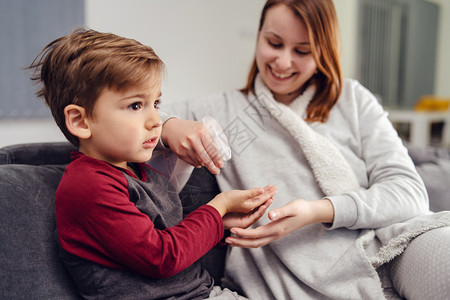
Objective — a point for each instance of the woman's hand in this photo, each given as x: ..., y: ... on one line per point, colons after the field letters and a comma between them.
x: 191, y: 142
x: 284, y: 220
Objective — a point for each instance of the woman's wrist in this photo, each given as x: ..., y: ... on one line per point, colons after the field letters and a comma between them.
x: 167, y: 126
x: 323, y: 211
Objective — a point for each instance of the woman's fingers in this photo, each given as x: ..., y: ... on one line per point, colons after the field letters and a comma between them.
x: 255, y: 233
x: 249, y: 243
x: 289, y: 210
x: 253, y: 237
x: 211, y: 154
x: 203, y: 151
x: 191, y: 141
x: 284, y: 220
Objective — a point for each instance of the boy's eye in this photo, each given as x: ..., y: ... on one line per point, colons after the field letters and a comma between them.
x: 135, y: 106
x: 156, y: 104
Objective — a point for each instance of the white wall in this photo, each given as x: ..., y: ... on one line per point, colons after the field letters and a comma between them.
x: 29, y: 131
x: 207, y: 47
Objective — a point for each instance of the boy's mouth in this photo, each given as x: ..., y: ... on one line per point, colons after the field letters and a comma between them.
x: 151, y: 142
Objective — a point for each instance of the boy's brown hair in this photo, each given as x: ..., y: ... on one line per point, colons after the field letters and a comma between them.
x: 76, y: 68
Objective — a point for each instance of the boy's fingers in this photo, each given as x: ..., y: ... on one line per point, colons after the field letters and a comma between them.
x: 259, y: 212
x: 271, y: 189
x: 255, y: 192
x: 262, y: 209
x: 269, y: 192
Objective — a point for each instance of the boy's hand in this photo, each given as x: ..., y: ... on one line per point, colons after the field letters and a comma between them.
x: 244, y: 220
x: 242, y: 201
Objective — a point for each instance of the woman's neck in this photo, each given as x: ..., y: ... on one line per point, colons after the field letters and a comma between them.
x: 287, y: 98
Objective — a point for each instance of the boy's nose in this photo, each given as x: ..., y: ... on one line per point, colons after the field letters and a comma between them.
x: 154, y: 120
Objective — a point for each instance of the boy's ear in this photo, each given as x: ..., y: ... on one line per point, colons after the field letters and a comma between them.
x: 76, y: 121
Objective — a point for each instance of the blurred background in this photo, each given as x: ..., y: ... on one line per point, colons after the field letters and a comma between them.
x: 396, y: 48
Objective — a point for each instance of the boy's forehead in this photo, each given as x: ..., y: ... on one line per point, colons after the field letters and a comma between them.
x: 150, y: 85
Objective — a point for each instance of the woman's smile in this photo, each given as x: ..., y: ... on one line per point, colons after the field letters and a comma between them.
x: 281, y: 75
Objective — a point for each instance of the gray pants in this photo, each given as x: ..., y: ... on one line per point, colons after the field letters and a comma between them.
x: 422, y: 271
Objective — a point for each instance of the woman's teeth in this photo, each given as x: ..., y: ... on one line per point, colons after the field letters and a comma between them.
x: 281, y: 76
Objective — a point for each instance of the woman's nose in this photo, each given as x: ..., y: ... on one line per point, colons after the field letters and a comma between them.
x: 284, y: 60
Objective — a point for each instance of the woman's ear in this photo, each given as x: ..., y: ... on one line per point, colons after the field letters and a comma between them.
x: 76, y: 121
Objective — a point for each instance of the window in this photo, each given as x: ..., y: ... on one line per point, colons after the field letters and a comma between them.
x: 25, y: 28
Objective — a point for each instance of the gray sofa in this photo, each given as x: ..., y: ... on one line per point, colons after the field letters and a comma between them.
x: 29, y: 176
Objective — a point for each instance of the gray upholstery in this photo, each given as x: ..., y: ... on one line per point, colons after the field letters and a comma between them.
x: 29, y: 176
x: 433, y: 165
x: 200, y: 189
x: 30, y: 268
x: 37, y: 154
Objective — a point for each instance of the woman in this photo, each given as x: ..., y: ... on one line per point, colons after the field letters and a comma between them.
x: 326, y: 143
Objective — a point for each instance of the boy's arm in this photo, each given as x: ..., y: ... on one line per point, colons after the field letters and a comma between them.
x: 99, y: 223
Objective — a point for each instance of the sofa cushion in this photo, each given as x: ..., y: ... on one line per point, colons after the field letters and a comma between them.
x: 436, y: 176
x: 30, y: 268
x: 433, y: 165
x: 37, y: 153
x: 201, y: 188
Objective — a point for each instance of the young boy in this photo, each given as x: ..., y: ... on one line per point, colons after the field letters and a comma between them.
x: 119, y: 222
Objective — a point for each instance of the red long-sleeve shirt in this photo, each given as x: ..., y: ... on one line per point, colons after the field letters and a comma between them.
x: 108, y: 216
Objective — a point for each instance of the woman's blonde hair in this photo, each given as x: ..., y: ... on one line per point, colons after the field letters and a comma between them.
x: 319, y: 17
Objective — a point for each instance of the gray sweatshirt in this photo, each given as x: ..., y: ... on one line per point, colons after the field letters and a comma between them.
x: 317, y: 261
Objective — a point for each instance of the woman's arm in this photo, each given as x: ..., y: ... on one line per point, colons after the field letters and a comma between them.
x: 284, y: 220
x: 393, y: 190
